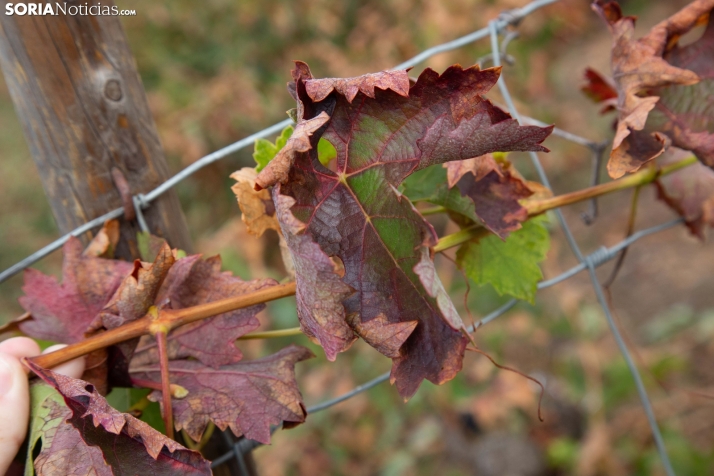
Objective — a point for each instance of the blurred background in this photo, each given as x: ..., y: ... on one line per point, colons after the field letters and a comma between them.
x: 215, y: 71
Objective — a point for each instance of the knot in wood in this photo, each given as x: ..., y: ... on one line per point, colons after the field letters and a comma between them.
x: 112, y: 90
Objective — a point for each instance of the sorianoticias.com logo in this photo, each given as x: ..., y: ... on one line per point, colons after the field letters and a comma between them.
x: 57, y: 8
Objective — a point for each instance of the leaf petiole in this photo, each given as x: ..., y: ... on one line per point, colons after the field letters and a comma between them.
x: 293, y: 331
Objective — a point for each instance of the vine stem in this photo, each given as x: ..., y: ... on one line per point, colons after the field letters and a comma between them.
x: 168, y: 413
x: 171, y: 318
x: 643, y: 177
x: 292, y: 331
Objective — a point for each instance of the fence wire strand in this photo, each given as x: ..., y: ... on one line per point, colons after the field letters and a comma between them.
x: 589, y: 262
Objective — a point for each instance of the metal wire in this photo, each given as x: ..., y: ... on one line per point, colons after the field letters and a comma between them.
x: 589, y: 262
x: 152, y: 195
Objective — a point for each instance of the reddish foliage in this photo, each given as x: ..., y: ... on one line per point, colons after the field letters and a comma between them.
x: 356, y: 213
x: 128, y: 445
x: 248, y: 397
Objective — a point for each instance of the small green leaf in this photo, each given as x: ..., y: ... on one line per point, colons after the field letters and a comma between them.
x: 510, y: 266
x: 325, y: 151
x: 265, y: 150
x: 429, y: 185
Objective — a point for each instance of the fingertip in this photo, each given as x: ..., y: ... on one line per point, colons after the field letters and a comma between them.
x: 14, y: 408
x: 73, y: 368
x: 20, y: 347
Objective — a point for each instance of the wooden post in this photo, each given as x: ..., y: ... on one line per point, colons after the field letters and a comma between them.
x: 84, y: 112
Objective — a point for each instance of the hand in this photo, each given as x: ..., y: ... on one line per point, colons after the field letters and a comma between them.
x: 15, y: 395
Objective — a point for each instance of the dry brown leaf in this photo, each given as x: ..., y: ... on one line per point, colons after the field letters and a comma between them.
x: 256, y: 207
x: 104, y: 242
x: 396, y: 80
x: 642, y: 70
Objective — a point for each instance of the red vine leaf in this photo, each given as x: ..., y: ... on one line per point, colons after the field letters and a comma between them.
x: 658, y: 82
x: 277, y: 169
x: 598, y: 88
x: 193, y: 281
x: 246, y: 397
x: 357, y: 214
x: 128, y: 445
x: 496, y: 190
x: 63, y: 312
x: 689, y: 192
x: 320, y: 290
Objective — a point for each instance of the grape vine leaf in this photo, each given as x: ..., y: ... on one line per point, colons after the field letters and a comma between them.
x: 510, y: 266
x: 63, y: 312
x: 357, y: 214
x: 320, y: 292
x: 657, y: 82
x: 62, y: 449
x: 495, y: 189
x: 257, y: 210
x: 599, y: 89
x: 128, y: 445
x: 193, y: 281
x: 689, y: 192
x: 246, y: 397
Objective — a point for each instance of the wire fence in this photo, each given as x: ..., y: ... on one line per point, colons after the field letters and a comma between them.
x: 494, y: 31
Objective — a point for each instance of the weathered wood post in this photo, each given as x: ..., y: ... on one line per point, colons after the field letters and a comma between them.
x: 84, y: 112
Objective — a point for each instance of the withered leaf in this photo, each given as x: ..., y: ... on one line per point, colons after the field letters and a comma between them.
x: 131, y: 301
x: 277, y: 169
x: 192, y: 281
x: 63, y: 312
x: 654, y: 77
x: 63, y: 450
x: 320, y: 290
x: 105, y: 241
x: 319, y: 89
x: 138, y: 290
x: 357, y: 214
x: 129, y: 446
x: 256, y: 207
x: 150, y: 245
x: 689, y: 192
x: 246, y: 397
